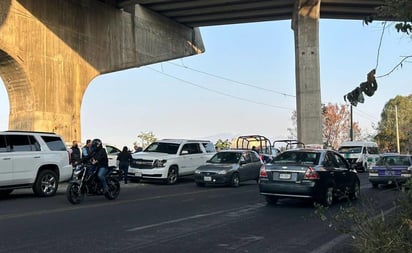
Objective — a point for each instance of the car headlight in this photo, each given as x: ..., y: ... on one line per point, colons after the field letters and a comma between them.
x: 197, y: 171
x: 222, y: 172
x: 159, y: 163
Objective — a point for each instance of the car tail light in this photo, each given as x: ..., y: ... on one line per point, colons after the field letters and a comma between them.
x: 263, y: 172
x: 311, y: 174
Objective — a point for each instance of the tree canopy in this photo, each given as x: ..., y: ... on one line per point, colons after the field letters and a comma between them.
x: 387, y: 127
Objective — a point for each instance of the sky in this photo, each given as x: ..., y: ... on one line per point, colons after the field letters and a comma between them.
x: 243, y: 84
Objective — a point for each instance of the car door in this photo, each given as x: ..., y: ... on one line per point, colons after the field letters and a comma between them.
x: 189, y: 158
x: 6, y: 163
x: 342, y: 176
x: 26, y: 157
x: 246, y: 167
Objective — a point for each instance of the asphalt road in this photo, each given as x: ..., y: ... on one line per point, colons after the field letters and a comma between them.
x: 150, y: 217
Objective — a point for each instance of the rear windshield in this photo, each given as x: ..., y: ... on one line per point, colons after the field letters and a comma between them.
x: 298, y: 157
x: 394, y: 160
x: 54, y: 143
x: 350, y: 150
x: 163, y: 147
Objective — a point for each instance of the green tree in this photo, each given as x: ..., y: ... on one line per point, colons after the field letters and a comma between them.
x: 146, y: 138
x: 221, y: 145
x: 387, y: 127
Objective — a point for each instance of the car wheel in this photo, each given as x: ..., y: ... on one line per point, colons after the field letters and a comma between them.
x: 46, y: 183
x: 200, y: 184
x: 5, y: 193
x: 375, y: 185
x: 271, y: 200
x: 327, y: 197
x: 355, y: 193
x: 235, y: 180
x: 172, y: 176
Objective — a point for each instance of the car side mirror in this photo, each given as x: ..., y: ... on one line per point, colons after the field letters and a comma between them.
x: 184, y: 152
x: 242, y: 162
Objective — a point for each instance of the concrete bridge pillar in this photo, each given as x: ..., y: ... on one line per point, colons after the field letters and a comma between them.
x: 51, y: 50
x: 305, y: 23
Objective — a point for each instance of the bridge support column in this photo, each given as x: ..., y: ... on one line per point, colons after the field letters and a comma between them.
x: 51, y: 50
x: 305, y: 23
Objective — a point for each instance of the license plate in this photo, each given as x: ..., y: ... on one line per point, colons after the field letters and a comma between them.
x: 138, y: 174
x: 284, y: 176
x: 207, y: 179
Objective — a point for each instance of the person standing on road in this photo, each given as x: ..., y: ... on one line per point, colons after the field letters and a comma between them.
x: 75, y: 157
x: 86, y: 150
x: 124, y: 158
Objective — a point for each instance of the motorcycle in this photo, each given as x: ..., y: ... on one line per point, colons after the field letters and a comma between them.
x: 86, y: 182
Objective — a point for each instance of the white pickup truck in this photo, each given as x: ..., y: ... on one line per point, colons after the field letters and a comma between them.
x: 169, y: 159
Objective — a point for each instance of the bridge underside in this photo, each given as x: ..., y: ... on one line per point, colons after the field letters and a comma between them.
x: 196, y: 13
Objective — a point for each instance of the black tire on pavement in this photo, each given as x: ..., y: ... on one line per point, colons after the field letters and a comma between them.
x: 326, y: 198
x: 235, y: 180
x: 74, y: 194
x: 46, y: 183
x: 172, y: 175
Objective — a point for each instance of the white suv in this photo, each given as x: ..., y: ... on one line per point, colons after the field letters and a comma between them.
x: 34, y: 160
x: 169, y: 159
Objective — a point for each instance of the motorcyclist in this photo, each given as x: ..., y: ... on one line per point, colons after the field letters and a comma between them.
x: 100, y: 161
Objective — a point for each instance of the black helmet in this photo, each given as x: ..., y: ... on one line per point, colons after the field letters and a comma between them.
x: 96, y: 143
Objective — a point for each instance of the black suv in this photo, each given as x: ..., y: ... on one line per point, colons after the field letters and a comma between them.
x: 318, y: 174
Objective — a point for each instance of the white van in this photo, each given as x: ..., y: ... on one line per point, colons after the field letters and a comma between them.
x: 361, y: 154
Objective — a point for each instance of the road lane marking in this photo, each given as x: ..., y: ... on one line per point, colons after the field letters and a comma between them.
x: 233, y: 212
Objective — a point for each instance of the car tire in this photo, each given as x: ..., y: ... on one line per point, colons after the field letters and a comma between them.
x: 200, y: 184
x: 271, y: 200
x: 235, y: 180
x: 5, y: 193
x: 172, y: 175
x: 327, y: 197
x: 46, y: 183
x: 355, y: 191
x: 374, y: 185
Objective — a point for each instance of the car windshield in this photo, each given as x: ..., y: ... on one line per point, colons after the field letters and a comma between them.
x: 163, y: 147
x: 349, y: 150
x: 393, y: 160
x: 226, y: 157
x: 298, y: 157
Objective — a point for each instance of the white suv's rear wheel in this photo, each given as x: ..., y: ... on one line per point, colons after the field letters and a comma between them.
x: 46, y: 184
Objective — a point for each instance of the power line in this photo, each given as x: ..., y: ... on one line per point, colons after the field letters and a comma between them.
x: 231, y: 80
x: 219, y: 92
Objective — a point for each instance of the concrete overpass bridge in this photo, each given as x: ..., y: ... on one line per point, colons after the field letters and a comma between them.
x: 51, y: 50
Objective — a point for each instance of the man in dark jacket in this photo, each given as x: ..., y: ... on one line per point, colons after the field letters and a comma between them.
x: 100, y: 160
x: 124, y: 159
x: 75, y: 157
